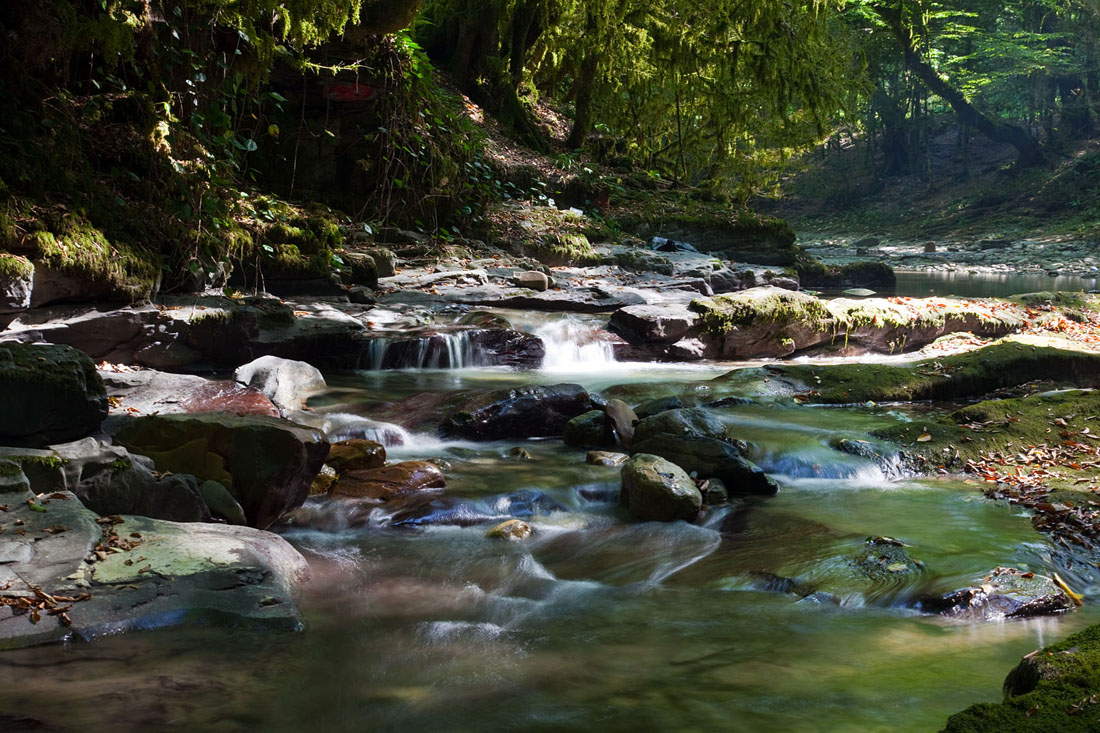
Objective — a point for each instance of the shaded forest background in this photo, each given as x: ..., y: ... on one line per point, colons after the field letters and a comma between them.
x: 173, y: 146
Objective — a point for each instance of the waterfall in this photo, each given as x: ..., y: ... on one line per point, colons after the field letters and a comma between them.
x: 573, y: 345
x: 454, y: 350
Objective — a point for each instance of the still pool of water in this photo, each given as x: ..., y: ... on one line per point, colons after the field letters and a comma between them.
x: 594, y: 622
x: 964, y: 284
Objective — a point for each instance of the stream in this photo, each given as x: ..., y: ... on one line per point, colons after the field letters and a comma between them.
x: 751, y: 619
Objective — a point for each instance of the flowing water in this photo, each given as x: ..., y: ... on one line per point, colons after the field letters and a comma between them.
x: 751, y: 619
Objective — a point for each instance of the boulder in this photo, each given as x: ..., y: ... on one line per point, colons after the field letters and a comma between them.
x: 533, y: 411
x: 532, y: 280
x: 765, y: 322
x: 135, y: 573
x: 16, y: 284
x: 51, y: 394
x: 590, y: 430
x: 267, y: 464
x: 390, y: 482
x: 355, y: 455
x: 709, y: 458
x: 285, y: 382
x: 605, y: 458
x: 149, y: 391
x: 653, y: 324
x: 682, y: 422
x: 622, y: 419
x: 385, y: 261
x: 1003, y: 593
x: 654, y: 489
x: 12, y: 478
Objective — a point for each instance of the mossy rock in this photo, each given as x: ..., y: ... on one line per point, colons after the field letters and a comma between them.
x: 815, y: 274
x: 764, y: 322
x: 52, y: 394
x: 971, y: 374
x: 1050, y: 691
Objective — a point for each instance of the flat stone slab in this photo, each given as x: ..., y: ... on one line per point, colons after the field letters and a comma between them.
x: 146, y: 574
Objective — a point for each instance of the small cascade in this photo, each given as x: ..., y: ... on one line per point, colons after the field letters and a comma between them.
x: 453, y: 350
x: 574, y: 345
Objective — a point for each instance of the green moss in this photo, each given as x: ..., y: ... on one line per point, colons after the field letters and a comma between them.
x: 120, y: 465
x: 9, y: 469
x: 50, y: 462
x: 73, y: 245
x: 722, y: 313
x: 1002, y: 425
x: 1049, y: 691
x: 972, y: 374
x: 15, y: 267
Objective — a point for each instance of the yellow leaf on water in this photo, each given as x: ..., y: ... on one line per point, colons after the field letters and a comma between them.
x: 924, y: 438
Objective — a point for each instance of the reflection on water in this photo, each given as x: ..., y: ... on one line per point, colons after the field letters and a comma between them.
x: 923, y: 283
x: 753, y: 619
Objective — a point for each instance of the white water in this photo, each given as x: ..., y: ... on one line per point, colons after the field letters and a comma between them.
x: 444, y: 350
x: 573, y: 345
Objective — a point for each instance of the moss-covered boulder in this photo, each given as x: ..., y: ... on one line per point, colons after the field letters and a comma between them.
x: 972, y: 374
x: 764, y: 322
x: 267, y: 464
x: 1052, y: 689
x: 52, y: 394
x: 654, y: 489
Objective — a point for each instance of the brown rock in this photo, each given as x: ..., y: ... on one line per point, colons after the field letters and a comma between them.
x: 533, y: 280
x: 356, y: 455
x: 390, y: 482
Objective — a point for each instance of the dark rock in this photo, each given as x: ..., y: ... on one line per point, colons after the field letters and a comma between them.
x: 656, y: 324
x: 660, y: 244
x: 355, y: 455
x: 714, y: 492
x: 681, y: 422
x: 574, y: 300
x: 51, y: 394
x: 266, y: 463
x: 533, y: 411
x: 390, y: 482
x: 1005, y: 593
x: 590, y: 430
x: 885, y: 558
x: 472, y: 347
x: 654, y: 489
x: 221, y: 503
x: 656, y: 406
x: 711, y: 458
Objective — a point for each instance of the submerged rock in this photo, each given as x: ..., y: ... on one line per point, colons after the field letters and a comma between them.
x: 390, y: 482
x: 605, y: 458
x: 1004, y: 593
x: 885, y: 558
x: 654, y: 489
x: 51, y: 394
x: 266, y: 463
x: 512, y: 529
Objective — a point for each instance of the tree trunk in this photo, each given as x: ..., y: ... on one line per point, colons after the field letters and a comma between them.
x: 585, y: 86
x: 1026, y: 145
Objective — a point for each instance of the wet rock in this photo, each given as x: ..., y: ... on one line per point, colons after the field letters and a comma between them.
x: 389, y: 482
x: 681, y: 422
x: 16, y: 284
x: 590, y: 430
x: 532, y: 411
x: 1004, y: 593
x: 532, y: 280
x: 356, y: 455
x: 150, y: 391
x: 622, y: 420
x: 266, y: 463
x: 286, y: 383
x: 512, y: 529
x: 323, y: 481
x: 574, y: 300
x: 714, y: 492
x: 472, y: 347
x: 605, y: 458
x: 518, y: 453
x: 654, y: 489
x: 653, y: 324
x: 199, y: 574
x: 859, y: 292
x: 711, y: 458
x: 51, y: 394
x: 885, y: 558
x: 658, y: 405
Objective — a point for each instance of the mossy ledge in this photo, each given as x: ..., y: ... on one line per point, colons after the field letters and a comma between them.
x: 960, y: 376
x: 1049, y: 691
